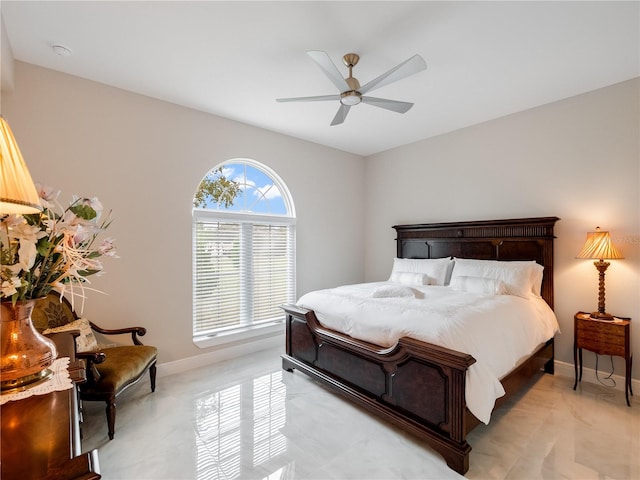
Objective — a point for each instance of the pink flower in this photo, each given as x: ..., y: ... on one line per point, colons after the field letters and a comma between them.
x: 48, y: 195
x: 107, y: 248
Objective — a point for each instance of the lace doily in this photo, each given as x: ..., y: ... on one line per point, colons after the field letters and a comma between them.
x: 57, y: 382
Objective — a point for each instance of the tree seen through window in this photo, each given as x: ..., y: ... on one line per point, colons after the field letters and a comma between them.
x: 240, y: 187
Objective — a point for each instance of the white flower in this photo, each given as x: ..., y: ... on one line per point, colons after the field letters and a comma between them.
x: 52, y: 249
x: 10, y: 286
x: 28, y: 236
x: 48, y: 195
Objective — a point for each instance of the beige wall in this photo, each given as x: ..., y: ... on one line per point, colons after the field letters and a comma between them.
x: 577, y: 159
x: 144, y: 159
x: 6, y: 59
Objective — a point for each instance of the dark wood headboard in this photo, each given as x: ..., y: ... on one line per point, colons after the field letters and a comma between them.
x: 518, y: 239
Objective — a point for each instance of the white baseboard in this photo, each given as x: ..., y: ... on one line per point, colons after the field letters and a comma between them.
x: 220, y: 354
x: 589, y: 375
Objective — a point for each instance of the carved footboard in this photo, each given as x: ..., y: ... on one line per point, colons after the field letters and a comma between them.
x: 415, y: 385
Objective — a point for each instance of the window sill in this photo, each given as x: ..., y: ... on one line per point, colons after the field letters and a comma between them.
x: 248, y: 333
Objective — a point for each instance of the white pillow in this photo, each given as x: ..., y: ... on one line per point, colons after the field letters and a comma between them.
x: 434, y: 268
x: 393, y: 291
x: 516, y: 276
x: 482, y: 286
x: 447, y: 278
x: 410, y: 278
x: 537, y: 272
x: 86, y: 341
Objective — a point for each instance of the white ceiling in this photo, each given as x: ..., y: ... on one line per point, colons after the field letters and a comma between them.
x: 233, y: 59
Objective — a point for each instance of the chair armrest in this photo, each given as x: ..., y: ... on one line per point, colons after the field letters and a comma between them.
x: 94, y: 357
x: 91, y: 358
x: 65, y: 342
x: 134, y: 331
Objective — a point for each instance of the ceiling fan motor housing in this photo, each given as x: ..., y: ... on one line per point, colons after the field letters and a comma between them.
x: 353, y: 83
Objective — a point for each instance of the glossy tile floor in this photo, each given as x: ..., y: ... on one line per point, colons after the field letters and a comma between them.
x: 248, y: 419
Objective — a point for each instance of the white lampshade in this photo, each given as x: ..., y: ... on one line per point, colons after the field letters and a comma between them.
x: 18, y: 194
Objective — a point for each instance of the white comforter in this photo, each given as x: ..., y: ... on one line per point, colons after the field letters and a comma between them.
x: 497, y: 330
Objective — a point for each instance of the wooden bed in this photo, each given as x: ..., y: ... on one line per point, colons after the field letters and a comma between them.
x: 416, y: 385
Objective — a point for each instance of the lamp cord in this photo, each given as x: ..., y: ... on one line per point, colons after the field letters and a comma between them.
x: 608, y: 377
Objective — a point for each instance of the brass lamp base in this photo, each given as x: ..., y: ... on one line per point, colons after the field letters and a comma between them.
x: 22, y: 383
x: 602, y: 316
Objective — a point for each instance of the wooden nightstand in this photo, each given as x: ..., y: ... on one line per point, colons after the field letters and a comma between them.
x: 604, y: 338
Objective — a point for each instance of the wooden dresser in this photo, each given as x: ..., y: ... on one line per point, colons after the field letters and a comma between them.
x: 40, y: 435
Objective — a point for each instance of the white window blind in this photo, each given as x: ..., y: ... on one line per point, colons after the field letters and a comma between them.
x: 243, y: 271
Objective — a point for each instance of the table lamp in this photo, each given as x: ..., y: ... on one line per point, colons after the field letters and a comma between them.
x: 599, y: 246
x: 24, y: 353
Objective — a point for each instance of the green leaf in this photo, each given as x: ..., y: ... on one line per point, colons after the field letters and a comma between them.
x: 32, y: 218
x: 44, y: 246
x: 86, y: 273
x: 84, y: 211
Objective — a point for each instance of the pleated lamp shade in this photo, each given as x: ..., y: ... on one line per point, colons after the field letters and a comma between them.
x: 599, y: 246
x: 18, y: 194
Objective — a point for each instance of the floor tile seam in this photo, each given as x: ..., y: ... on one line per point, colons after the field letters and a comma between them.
x: 212, y: 454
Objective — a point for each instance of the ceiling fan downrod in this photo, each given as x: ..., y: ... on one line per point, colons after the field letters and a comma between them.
x: 351, y: 97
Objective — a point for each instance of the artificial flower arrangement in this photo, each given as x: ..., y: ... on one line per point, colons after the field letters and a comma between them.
x: 55, y: 249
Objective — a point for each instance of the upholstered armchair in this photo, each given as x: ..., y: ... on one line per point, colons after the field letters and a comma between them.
x: 110, y: 369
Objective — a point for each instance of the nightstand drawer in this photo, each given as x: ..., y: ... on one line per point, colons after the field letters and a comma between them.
x: 601, y: 336
x: 604, y: 338
x: 597, y: 328
x: 602, y: 348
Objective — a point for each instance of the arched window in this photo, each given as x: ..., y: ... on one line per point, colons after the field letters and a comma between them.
x: 243, y: 249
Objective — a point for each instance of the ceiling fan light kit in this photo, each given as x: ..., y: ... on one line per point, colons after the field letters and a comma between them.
x: 351, y: 93
x: 350, y: 98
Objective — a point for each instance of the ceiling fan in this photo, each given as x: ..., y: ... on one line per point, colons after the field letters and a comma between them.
x: 351, y: 93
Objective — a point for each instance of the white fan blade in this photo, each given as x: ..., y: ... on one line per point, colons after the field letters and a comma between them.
x: 329, y: 68
x: 340, y: 115
x: 393, y: 105
x: 320, y: 98
x: 407, y: 68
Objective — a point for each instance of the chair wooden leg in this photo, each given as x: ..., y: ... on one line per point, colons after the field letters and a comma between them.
x: 152, y: 376
x: 111, y: 417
